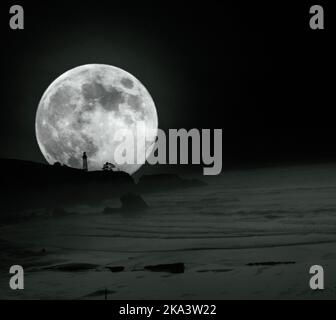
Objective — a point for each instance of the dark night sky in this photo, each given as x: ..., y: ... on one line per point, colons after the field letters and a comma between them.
x: 257, y: 71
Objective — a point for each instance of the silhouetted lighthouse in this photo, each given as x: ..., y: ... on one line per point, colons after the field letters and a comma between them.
x: 85, y: 165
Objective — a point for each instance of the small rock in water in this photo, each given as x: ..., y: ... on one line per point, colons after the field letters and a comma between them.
x: 73, y: 267
x: 116, y: 269
x: 170, y: 267
x: 131, y: 201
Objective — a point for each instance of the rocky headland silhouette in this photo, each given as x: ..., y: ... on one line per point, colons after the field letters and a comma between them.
x: 26, y: 184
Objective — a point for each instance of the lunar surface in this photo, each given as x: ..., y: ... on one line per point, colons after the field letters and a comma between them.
x: 82, y: 110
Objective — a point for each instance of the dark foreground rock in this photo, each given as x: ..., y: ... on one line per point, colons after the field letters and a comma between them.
x: 170, y: 267
x: 73, y: 267
x: 116, y: 269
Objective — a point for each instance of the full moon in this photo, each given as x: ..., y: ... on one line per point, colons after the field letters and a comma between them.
x: 82, y: 110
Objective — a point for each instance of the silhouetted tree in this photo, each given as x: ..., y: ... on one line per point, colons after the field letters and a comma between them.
x: 57, y: 164
x: 108, y: 166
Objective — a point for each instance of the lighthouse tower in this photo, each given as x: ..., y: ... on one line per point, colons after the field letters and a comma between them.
x: 85, y: 165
